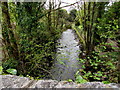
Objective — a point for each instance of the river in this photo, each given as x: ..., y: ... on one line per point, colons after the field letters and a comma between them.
x: 67, y: 60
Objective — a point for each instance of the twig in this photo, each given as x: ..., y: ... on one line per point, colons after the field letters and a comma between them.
x: 43, y: 70
x: 65, y: 6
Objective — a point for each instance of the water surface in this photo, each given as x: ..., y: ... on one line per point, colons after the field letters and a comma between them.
x: 66, y: 64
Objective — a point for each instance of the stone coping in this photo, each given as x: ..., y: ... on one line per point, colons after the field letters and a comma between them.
x: 12, y: 81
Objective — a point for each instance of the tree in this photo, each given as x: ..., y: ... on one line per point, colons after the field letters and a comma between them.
x: 98, y: 33
x: 72, y: 15
x: 9, y: 39
x: 87, y: 17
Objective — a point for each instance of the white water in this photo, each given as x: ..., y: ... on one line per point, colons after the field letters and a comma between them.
x: 66, y: 64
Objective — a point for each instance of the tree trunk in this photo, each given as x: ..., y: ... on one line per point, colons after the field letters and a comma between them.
x: 8, y: 35
x: 88, y: 30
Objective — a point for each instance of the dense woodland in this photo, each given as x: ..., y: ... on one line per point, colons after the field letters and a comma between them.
x: 30, y: 32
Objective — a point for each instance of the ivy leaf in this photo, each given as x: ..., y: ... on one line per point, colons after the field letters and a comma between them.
x: 69, y: 80
x: 97, y: 78
x: 12, y: 71
x: 1, y: 68
x: 79, y: 79
x: 62, y: 63
x: 105, y: 82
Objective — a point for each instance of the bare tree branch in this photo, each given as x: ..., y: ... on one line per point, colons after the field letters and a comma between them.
x: 65, y: 6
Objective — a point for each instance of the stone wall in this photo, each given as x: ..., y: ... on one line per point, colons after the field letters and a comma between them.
x: 11, y: 81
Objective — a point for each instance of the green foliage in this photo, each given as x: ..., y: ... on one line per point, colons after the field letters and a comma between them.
x: 105, y: 82
x: 70, y: 80
x: 35, y: 42
x: 12, y: 71
x: 1, y: 69
x: 72, y: 15
x: 80, y: 34
x: 31, y: 34
x: 9, y: 63
x: 79, y: 78
x: 102, y: 51
x: 63, y: 19
x: 99, y: 68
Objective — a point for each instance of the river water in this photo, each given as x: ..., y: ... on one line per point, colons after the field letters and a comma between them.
x: 66, y: 64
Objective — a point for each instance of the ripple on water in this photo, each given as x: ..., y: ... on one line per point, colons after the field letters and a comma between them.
x: 66, y: 64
